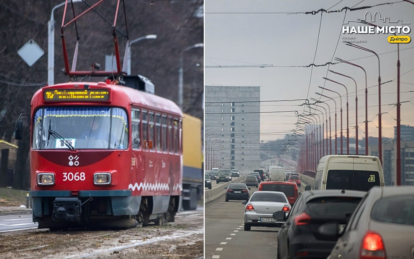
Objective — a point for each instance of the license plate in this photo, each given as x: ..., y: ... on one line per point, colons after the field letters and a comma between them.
x: 267, y: 219
x: 237, y: 191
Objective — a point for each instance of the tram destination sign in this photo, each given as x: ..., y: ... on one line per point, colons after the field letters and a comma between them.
x: 75, y: 95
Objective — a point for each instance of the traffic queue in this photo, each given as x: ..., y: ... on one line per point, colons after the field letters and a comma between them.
x: 346, y: 211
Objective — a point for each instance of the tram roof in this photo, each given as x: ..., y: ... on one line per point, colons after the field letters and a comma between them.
x: 133, y: 96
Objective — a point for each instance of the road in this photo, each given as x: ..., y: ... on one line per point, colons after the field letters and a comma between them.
x: 226, y: 238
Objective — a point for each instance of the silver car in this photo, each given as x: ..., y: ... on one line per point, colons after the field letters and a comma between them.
x: 260, y: 208
x: 382, y: 226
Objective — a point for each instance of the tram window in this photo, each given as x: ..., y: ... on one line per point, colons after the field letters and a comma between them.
x: 170, y: 135
x: 151, y: 131
x: 164, y: 133
x: 181, y: 136
x: 119, y: 129
x: 144, y: 129
x: 158, y: 130
x: 136, y: 128
x: 176, y: 134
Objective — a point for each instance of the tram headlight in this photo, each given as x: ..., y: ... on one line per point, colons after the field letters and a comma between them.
x: 45, y: 179
x: 102, y: 178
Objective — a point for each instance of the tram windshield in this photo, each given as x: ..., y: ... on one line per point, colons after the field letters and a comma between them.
x: 80, y: 128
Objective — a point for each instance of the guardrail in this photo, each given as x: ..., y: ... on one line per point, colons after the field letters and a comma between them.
x: 211, y: 195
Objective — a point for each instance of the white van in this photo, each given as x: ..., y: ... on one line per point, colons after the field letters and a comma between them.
x: 350, y: 172
x: 277, y: 174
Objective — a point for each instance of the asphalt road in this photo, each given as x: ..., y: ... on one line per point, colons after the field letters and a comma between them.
x: 10, y: 223
x: 225, y: 236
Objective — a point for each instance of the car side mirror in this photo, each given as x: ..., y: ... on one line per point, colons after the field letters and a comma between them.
x: 249, y: 188
x: 307, y: 188
x: 280, y: 215
x: 225, y: 188
x: 331, y: 229
x: 244, y: 202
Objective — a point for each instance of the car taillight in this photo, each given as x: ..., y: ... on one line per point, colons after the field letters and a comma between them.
x: 229, y: 190
x: 302, y: 219
x: 286, y: 208
x: 249, y: 207
x: 372, y: 246
x: 301, y: 254
x: 244, y: 190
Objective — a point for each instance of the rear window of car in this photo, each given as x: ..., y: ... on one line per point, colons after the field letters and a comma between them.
x: 352, y: 180
x: 333, y: 206
x: 237, y: 186
x: 251, y: 177
x: 272, y: 197
x: 394, y: 210
x: 294, y: 177
x: 287, y: 189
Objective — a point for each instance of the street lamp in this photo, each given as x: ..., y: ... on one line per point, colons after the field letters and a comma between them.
x: 148, y: 37
x: 51, y: 44
x: 340, y: 98
x: 347, y: 113
x: 366, y: 100
x: 326, y: 120
x: 336, y: 138
x: 180, y: 73
x: 356, y: 108
x: 379, y: 96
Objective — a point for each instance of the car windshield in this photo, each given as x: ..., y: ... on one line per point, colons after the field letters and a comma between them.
x: 268, y: 197
x: 81, y: 127
x: 287, y: 189
x: 394, y: 210
x: 352, y: 180
x: 333, y: 206
x: 207, y: 177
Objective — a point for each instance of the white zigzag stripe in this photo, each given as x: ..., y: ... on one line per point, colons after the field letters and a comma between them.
x: 153, y: 187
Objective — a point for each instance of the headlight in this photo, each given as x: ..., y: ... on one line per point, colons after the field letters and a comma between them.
x: 102, y: 178
x: 45, y: 179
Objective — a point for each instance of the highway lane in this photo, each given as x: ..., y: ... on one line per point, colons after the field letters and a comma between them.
x: 225, y: 236
x: 10, y: 223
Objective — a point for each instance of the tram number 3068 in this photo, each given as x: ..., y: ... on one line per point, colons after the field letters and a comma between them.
x: 74, y: 176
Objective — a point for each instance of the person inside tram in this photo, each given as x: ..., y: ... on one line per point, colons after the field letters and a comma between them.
x: 95, y: 131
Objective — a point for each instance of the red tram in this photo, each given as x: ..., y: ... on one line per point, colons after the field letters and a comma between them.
x: 102, y: 151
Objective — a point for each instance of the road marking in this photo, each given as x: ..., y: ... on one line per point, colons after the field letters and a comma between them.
x: 215, y: 256
x: 228, y: 238
x: 236, y: 231
x: 219, y: 249
x: 232, y: 234
x: 223, y: 243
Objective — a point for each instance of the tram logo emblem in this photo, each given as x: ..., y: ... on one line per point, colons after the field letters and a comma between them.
x: 73, y: 160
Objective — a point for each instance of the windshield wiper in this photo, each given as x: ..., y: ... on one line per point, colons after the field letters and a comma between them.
x: 57, y: 136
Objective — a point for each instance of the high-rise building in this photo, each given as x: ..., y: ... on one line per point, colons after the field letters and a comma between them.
x: 407, y: 132
x: 232, y: 127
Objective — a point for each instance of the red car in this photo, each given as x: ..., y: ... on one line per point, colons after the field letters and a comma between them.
x: 294, y: 179
x: 289, y: 189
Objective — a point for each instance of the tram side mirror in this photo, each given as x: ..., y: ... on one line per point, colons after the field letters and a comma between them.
x: 307, y: 188
x: 19, y: 130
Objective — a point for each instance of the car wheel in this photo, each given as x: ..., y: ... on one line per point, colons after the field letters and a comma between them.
x: 209, y: 187
x: 278, y: 252
x: 257, y: 186
x: 246, y: 227
x: 217, y: 182
x: 227, y: 200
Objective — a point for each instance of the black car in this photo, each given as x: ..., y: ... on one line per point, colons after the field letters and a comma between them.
x: 207, y: 182
x: 223, y: 176
x: 261, y: 173
x: 211, y: 174
x: 237, y: 191
x: 235, y: 173
x: 303, y: 235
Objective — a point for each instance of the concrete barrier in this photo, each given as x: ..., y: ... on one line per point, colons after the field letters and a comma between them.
x: 215, y: 193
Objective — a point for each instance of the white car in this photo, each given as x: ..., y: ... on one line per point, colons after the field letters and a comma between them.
x: 260, y: 208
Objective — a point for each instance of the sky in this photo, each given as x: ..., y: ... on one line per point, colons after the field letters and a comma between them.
x: 255, y: 32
